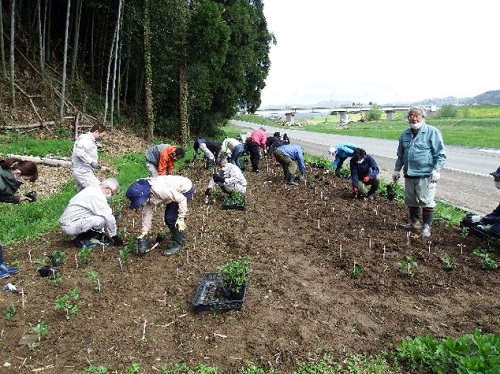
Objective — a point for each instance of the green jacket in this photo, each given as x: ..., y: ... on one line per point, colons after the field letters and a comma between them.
x: 8, y: 187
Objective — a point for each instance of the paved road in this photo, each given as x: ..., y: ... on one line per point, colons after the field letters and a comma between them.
x: 465, y: 181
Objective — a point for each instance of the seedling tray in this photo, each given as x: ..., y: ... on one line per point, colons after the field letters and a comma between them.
x: 210, y: 296
x: 233, y: 206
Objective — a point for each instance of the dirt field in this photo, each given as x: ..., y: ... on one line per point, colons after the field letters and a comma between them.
x: 302, y: 243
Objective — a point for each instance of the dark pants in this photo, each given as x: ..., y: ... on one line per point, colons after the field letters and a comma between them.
x: 339, y: 165
x: 235, y: 155
x: 172, y: 210
x: 253, y: 149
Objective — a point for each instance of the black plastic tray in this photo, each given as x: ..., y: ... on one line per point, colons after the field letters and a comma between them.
x: 210, y: 297
x: 233, y: 206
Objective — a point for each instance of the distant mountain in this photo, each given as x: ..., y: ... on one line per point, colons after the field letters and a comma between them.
x: 488, y: 97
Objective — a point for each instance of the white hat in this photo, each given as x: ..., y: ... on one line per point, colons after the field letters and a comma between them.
x: 332, y: 150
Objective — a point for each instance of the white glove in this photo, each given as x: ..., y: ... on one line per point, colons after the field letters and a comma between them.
x: 395, y: 176
x: 435, y: 175
x: 476, y: 219
x: 180, y: 224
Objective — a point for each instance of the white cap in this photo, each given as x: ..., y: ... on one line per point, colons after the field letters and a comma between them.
x: 332, y: 150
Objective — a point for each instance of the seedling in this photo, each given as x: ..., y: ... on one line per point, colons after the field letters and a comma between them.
x: 356, y: 270
x: 11, y: 312
x: 40, y: 329
x: 84, y: 255
x: 448, y: 261
x: 235, y: 199
x: 406, y: 266
x: 55, y: 279
x: 235, y: 274
x: 94, y: 279
x: 488, y: 258
x: 69, y: 302
x: 57, y: 258
x: 124, y: 255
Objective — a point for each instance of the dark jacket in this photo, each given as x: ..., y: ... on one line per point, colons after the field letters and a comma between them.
x: 8, y: 187
x: 359, y: 171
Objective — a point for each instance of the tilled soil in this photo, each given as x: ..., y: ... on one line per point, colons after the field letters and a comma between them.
x: 302, y: 243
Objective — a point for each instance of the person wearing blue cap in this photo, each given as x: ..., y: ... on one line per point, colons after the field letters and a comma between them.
x: 172, y: 190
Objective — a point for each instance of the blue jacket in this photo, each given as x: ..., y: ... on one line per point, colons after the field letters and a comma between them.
x: 359, y: 171
x: 493, y: 217
x: 419, y: 154
x: 344, y: 150
x: 296, y: 154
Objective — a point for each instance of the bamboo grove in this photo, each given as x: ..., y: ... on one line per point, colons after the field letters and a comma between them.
x: 181, y: 67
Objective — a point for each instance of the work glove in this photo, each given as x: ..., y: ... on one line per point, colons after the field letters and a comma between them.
x: 31, y: 195
x: 180, y: 224
x: 117, y: 240
x: 395, y: 176
x: 95, y: 165
x: 435, y: 175
x: 218, y: 178
x: 355, y: 191
x: 366, y: 179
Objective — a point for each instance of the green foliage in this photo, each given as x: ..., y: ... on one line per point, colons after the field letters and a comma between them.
x: 133, y: 368
x: 40, y: 329
x: 10, y: 312
x: 447, y: 111
x: 487, y: 257
x: 448, y: 261
x: 94, y: 279
x: 91, y: 369
x: 125, y: 254
x: 318, y: 365
x: 450, y: 214
x: 253, y: 369
x: 236, y: 273
x: 183, y: 368
x: 25, y: 145
x: 69, y: 303
x: 356, y: 271
x: 375, y: 113
x: 84, y: 255
x: 471, y: 353
x: 235, y: 198
x: 406, y: 266
x: 57, y: 258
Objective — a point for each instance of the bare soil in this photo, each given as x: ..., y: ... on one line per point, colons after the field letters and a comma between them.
x: 302, y: 243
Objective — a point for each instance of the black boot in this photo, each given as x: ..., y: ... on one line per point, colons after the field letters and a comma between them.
x: 5, y: 271
x: 178, y: 242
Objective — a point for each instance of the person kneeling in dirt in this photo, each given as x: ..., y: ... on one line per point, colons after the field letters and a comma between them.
x: 172, y: 190
x: 228, y: 178
x: 487, y: 226
x: 364, y: 174
x: 289, y: 156
x: 88, y: 212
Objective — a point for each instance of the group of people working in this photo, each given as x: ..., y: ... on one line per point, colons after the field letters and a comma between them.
x: 89, y: 217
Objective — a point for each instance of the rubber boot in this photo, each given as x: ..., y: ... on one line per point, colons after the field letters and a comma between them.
x: 5, y: 271
x: 178, y: 242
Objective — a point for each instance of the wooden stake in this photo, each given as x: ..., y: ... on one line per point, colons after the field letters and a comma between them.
x: 383, y: 256
x: 22, y: 297
x: 76, y: 260
x: 144, y: 329
x: 340, y: 250
x: 29, y: 255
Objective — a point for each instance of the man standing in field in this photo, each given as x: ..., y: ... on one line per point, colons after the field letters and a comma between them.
x: 421, y: 155
x: 84, y: 158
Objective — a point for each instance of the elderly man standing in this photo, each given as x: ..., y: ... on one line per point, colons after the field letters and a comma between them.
x: 88, y: 213
x: 229, y: 178
x: 421, y: 155
x: 289, y: 156
x: 172, y: 190
x: 256, y: 140
x: 84, y: 158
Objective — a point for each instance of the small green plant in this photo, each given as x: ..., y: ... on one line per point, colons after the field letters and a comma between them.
x: 235, y: 274
x: 11, y: 312
x: 84, y: 255
x: 55, y: 279
x: 94, y: 279
x: 57, y: 258
x: 91, y: 369
x: 406, y: 266
x: 133, y: 368
x: 488, y: 258
x: 235, y: 198
x: 69, y: 302
x: 32, y: 346
x: 448, y: 261
x: 464, y: 232
x: 125, y: 254
x: 356, y: 271
x: 40, y: 329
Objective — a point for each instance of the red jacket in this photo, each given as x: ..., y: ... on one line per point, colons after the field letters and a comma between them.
x: 166, y: 162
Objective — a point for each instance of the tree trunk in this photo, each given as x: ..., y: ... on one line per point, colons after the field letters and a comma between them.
x: 113, y: 88
x: 150, y: 119
x: 183, y: 104
x: 2, y: 46
x: 63, y: 85
x: 40, y: 38
x: 76, y: 33
x: 12, y: 49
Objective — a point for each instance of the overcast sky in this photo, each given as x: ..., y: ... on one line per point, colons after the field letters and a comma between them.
x: 381, y: 51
